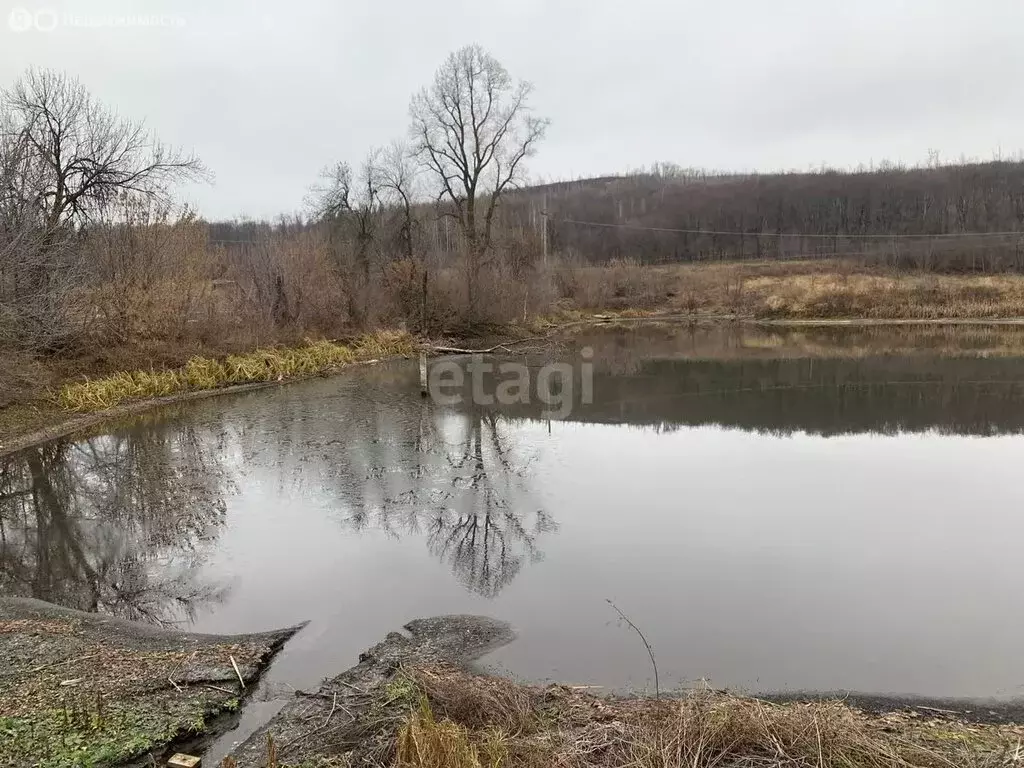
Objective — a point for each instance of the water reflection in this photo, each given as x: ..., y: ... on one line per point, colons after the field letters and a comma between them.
x: 670, y: 378
x: 356, y: 503
x: 486, y: 527
x: 115, y: 524
x: 402, y: 466
x: 465, y: 490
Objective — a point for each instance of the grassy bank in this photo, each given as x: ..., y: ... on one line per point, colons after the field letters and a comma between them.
x: 799, y: 290
x: 443, y: 716
x: 465, y: 720
x: 202, y: 373
x: 73, y: 394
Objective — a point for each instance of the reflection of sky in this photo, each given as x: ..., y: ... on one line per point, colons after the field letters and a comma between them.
x: 858, y: 562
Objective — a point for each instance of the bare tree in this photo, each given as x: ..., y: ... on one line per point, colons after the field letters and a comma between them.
x: 64, y: 158
x: 353, y: 201
x: 33, y: 311
x: 352, y: 204
x: 400, y: 182
x: 84, y: 154
x: 472, y: 129
x: 398, y: 177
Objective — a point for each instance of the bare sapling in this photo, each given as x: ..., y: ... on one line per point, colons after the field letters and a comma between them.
x: 647, y: 645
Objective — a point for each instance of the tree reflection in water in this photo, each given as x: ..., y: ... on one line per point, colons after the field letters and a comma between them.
x: 122, y: 523
x: 456, y: 478
x: 487, y: 527
x: 113, y: 524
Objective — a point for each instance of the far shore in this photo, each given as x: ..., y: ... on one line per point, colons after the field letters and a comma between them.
x: 42, y: 419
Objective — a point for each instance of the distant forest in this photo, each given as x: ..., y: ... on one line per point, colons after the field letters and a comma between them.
x: 967, y: 217
x: 777, y: 216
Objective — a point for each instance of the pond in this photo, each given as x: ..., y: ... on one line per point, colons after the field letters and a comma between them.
x: 829, y: 509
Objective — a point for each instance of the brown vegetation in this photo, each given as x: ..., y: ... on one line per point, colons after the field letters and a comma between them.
x: 101, y: 273
x: 796, y: 290
x: 465, y: 721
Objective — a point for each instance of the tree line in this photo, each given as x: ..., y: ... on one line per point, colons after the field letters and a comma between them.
x: 905, y: 217
x: 93, y: 247
x: 433, y: 229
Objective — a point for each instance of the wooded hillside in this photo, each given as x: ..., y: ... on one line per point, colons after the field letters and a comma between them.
x: 928, y: 210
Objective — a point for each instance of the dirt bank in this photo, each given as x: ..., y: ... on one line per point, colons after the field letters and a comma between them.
x: 86, y: 689
x: 413, y: 701
x: 355, y: 712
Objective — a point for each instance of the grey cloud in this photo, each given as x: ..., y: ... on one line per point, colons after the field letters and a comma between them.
x: 268, y: 92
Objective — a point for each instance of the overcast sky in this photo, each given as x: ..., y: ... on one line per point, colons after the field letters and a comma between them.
x: 269, y: 92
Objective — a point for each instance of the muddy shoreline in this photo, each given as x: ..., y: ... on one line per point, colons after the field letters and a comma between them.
x: 353, y: 716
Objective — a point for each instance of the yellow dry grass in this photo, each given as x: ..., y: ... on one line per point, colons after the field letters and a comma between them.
x: 469, y: 721
x: 426, y: 742
x: 810, y: 290
x: 202, y: 373
x: 887, y: 297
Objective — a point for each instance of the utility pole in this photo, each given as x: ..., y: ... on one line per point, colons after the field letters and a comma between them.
x: 544, y: 228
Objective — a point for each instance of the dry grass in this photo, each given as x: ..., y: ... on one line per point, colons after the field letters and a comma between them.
x: 887, y: 297
x: 798, y: 290
x: 469, y: 721
x: 425, y: 742
x: 202, y: 373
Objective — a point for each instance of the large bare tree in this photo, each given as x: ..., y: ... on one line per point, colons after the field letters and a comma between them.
x: 65, y: 158
x: 473, y: 128
x: 83, y: 154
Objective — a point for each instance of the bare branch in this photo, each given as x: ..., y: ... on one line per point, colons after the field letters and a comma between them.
x: 472, y: 129
x: 84, y: 154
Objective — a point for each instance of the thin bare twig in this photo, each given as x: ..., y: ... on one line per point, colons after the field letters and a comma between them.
x: 647, y: 645
x: 240, y: 680
x: 330, y: 714
x: 61, y: 663
x: 352, y: 687
x: 936, y: 709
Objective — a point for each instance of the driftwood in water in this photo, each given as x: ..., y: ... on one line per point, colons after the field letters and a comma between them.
x: 505, y: 345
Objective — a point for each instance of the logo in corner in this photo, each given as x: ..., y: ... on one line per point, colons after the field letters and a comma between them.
x: 21, y: 20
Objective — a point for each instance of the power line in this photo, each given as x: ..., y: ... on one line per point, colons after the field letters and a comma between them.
x: 837, y: 236
x: 738, y: 233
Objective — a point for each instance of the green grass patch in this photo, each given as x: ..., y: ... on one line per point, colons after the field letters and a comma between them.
x: 96, y: 734
x: 202, y: 373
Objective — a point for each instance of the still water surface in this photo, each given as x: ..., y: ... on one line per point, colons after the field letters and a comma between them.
x: 821, y: 510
